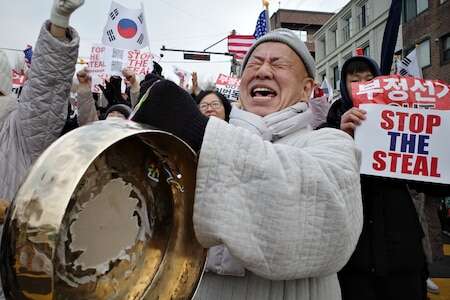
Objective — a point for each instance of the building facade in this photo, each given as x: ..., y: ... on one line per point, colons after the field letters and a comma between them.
x: 426, y: 27
x: 359, y: 24
x: 305, y: 23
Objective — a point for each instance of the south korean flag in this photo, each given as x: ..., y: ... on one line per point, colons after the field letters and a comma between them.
x: 409, y: 66
x: 125, y: 28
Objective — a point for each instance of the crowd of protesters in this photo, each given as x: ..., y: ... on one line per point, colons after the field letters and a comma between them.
x: 279, y: 199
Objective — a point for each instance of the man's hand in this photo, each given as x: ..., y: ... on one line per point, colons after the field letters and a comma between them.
x: 170, y: 108
x: 351, y: 119
x: 129, y: 75
x: 61, y: 11
x: 4, y: 205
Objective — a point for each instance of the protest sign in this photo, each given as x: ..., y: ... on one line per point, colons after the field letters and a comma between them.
x: 405, y: 143
x: 228, y: 86
x: 18, y: 80
x: 403, y: 91
x: 106, y: 61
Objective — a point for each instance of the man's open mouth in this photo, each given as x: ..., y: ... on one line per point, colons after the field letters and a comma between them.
x: 262, y: 92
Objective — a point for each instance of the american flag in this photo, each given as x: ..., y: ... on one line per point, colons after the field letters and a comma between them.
x: 240, y: 44
x: 261, y: 25
x: 28, y: 53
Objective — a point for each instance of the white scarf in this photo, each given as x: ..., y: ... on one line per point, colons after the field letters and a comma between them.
x: 276, y: 125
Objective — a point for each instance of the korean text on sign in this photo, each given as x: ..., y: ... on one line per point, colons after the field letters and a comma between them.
x: 403, y: 91
x: 228, y: 86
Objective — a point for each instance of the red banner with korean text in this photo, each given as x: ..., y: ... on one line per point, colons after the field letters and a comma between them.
x: 408, y: 92
x: 228, y: 86
x: 18, y: 80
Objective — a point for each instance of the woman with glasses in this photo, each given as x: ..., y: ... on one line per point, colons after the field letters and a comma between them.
x: 212, y: 103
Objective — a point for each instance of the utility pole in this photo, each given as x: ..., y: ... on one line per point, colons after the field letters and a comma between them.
x: 266, y: 8
x: 234, y: 70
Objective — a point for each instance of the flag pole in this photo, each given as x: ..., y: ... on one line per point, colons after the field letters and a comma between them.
x: 146, y: 28
x: 266, y: 8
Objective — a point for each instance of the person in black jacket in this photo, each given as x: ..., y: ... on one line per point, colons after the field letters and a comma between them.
x: 389, y: 261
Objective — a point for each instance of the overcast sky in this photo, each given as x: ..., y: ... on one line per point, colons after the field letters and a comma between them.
x: 187, y: 24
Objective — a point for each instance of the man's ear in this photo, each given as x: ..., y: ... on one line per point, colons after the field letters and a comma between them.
x: 306, y: 88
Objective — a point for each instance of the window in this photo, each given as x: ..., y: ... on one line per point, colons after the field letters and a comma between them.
x: 423, y: 54
x: 336, y: 77
x: 445, y: 48
x: 321, y: 46
x: 347, y: 28
x: 363, y: 17
x: 333, y: 39
x: 411, y: 8
x: 421, y: 5
x: 323, y: 76
x: 366, y: 50
x: 303, y: 35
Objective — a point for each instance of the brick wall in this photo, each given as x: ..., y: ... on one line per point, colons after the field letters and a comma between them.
x: 433, y: 23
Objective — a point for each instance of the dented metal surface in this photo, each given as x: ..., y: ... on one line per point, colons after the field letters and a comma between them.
x: 105, y: 213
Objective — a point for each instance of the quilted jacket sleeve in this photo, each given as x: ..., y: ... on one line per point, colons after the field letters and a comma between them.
x: 43, y: 102
x: 285, y: 211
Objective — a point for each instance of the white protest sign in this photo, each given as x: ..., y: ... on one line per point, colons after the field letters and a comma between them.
x: 228, y: 86
x: 405, y: 143
x: 106, y: 61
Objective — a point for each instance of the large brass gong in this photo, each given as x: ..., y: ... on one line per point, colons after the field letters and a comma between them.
x: 105, y: 213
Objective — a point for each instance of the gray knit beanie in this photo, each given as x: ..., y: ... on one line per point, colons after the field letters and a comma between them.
x: 288, y: 37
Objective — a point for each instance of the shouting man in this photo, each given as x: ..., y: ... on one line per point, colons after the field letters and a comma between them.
x: 283, y: 200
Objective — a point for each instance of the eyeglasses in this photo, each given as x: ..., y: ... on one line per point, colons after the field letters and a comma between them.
x: 214, y: 105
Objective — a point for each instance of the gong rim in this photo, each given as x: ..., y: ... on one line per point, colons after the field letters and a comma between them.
x: 35, y: 219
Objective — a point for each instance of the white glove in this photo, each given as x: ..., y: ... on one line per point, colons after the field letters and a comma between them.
x: 61, y: 11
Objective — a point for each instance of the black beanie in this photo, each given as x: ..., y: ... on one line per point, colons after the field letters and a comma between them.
x: 148, y: 81
x: 371, y: 65
x: 120, y: 108
x: 170, y: 108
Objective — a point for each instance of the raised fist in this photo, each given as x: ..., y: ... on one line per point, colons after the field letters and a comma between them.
x: 61, y: 11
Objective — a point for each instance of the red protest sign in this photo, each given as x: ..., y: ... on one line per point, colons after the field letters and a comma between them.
x: 228, y: 86
x: 401, y: 91
x: 18, y: 79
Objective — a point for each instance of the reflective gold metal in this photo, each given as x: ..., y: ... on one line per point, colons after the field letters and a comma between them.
x: 105, y: 213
